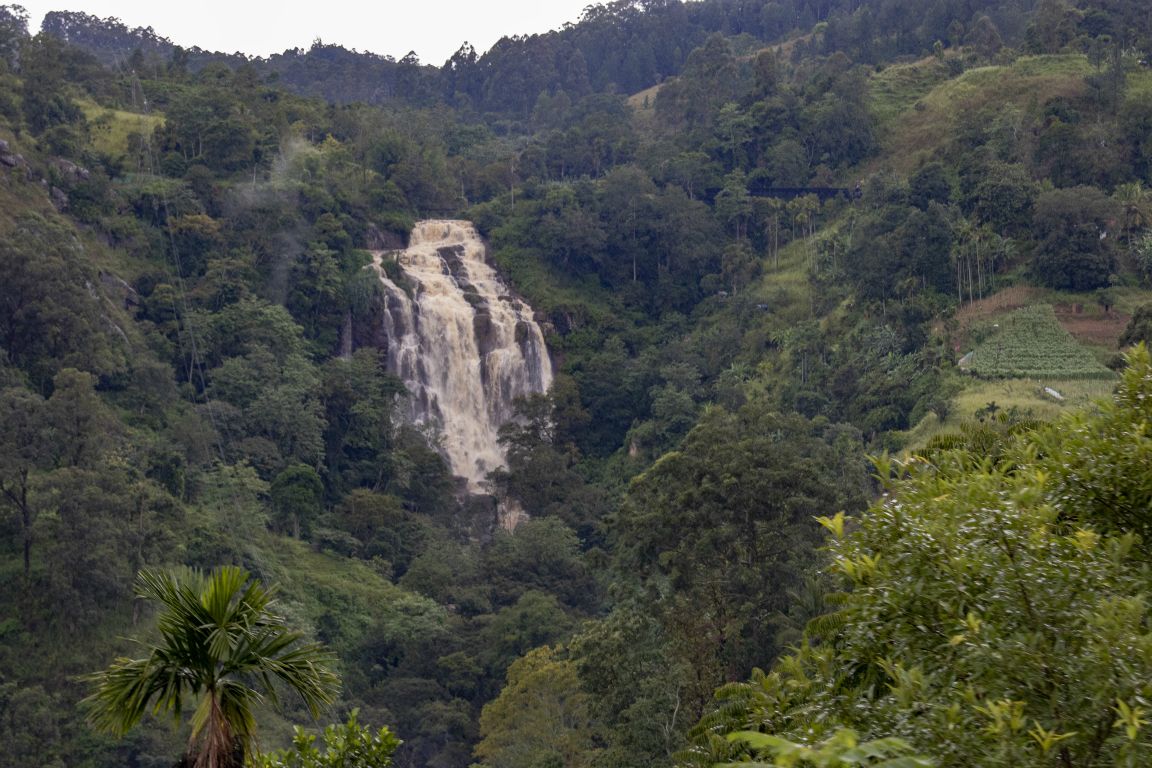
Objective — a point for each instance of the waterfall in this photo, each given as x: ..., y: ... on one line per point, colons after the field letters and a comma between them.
x: 463, y: 346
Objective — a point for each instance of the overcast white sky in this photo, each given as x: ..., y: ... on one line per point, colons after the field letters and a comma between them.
x: 435, y: 29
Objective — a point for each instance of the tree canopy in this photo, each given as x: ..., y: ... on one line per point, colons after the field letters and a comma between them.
x: 990, y: 607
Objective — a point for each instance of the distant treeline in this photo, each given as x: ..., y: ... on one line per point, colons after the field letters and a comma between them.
x: 624, y: 46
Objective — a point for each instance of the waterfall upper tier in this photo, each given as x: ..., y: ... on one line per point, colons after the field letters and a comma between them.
x: 462, y: 344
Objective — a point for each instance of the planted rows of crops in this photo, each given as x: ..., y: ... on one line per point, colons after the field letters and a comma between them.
x: 1031, y: 344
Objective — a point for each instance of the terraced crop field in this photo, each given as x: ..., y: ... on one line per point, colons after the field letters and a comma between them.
x: 1031, y: 344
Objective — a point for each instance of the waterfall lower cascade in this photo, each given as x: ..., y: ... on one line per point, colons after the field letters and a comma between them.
x: 461, y: 343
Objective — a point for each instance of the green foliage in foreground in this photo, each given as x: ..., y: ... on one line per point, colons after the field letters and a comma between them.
x: 1031, y: 344
x: 542, y: 717
x: 349, y: 745
x: 992, y: 611
x: 842, y: 749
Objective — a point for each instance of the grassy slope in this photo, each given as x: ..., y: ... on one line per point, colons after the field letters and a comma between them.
x: 111, y: 127
x: 921, y: 113
x: 20, y: 196
x: 1025, y: 395
x: 21, y: 192
x: 896, y: 89
x: 643, y: 106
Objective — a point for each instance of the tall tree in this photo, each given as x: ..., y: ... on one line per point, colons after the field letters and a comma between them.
x: 542, y: 717
x: 222, y: 646
x: 721, y: 529
x: 1074, y: 248
x: 21, y: 452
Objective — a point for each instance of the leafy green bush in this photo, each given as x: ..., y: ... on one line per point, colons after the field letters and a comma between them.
x: 347, y: 745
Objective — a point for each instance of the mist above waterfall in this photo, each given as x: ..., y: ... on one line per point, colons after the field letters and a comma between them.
x: 462, y: 344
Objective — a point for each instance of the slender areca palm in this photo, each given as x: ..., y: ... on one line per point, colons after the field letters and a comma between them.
x: 1134, y: 206
x: 222, y: 648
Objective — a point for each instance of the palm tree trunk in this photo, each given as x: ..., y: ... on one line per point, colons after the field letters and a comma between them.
x: 219, y: 747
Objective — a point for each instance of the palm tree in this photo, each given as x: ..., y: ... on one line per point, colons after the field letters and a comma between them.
x: 1134, y: 206
x: 222, y: 648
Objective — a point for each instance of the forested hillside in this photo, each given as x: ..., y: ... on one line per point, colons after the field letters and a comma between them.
x: 765, y: 241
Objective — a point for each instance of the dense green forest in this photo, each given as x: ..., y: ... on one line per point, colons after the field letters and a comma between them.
x: 766, y: 240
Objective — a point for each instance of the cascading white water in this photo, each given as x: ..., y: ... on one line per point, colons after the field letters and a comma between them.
x: 463, y: 346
